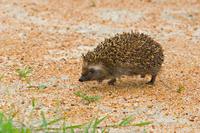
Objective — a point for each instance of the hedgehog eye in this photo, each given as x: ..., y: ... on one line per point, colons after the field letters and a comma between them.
x: 92, y: 70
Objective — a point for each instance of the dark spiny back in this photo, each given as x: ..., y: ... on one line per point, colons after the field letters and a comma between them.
x: 128, y: 50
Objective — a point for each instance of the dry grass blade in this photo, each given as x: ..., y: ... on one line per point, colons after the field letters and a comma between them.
x: 180, y: 89
x: 126, y: 121
x: 86, y: 97
x: 24, y: 73
x: 145, y: 123
x: 97, y: 122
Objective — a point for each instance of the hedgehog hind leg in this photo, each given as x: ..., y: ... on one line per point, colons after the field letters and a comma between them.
x: 112, y: 81
x: 153, y: 78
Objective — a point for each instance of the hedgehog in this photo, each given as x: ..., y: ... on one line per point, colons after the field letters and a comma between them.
x: 127, y: 53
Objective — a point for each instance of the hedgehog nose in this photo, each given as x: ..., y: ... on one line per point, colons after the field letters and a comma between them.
x: 81, y: 80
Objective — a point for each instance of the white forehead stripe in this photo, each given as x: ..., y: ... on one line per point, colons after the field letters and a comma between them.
x: 96, y: 67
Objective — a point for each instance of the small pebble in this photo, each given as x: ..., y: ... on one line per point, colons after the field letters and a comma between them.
x: 64, y: 77
x: 150, y: 106
x: 135, y: 104
x: 114, y: 110
x: 150, y: 112
x: 72, y: 104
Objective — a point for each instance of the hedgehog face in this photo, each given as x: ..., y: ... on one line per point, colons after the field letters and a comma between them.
x: 93, y: 72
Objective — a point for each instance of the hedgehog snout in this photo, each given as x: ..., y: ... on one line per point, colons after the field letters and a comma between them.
x: 81, y: 79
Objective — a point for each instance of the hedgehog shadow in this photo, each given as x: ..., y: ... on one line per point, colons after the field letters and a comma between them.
x: 120, y: 85
x: 131, y: 84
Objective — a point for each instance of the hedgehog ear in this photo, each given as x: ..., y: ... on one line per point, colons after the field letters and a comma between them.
x: 96, y: 67
x: 83, y: 56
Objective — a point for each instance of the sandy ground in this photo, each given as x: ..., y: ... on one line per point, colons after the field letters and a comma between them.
x: 50, y: 36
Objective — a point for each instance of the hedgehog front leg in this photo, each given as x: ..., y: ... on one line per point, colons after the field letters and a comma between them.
x: 153, y: 78
x: 100, y: 81
x: 142, y: 76
x: 112, y: 81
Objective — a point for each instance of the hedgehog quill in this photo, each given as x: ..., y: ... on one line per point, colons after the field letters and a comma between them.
x: 128, y: 54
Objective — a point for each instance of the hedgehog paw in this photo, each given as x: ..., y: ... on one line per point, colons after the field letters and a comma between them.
x: 150, y: 83
x: 112, y: 82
